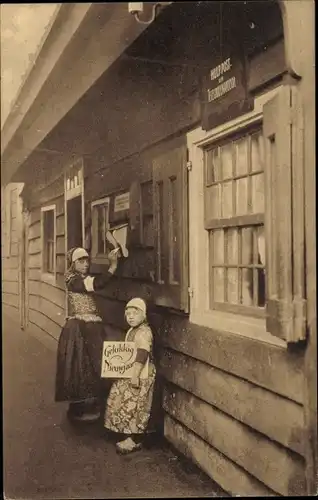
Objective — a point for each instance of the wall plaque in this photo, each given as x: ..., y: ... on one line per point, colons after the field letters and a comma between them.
x: 121, y: 202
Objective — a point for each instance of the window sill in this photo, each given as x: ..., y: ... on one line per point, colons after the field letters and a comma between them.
x: 48, y: 278
x: 238, y: 310
x: 253, y: 328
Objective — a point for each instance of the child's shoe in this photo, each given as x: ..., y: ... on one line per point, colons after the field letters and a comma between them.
x: 127, y: 446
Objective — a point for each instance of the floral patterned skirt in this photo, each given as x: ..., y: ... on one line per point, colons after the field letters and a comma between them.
x: 128, y: 409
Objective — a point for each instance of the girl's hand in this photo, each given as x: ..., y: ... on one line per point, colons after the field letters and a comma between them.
x: 113, y: 259
x: 135, y: 382
x: 113, y: 255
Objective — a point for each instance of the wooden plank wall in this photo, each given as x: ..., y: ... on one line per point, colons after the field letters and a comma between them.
x: 235, y: 406
x: 46, y: 301
x: 11, y: 220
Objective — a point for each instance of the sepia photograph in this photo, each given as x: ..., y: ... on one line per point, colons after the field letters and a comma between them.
x: 158, y: 250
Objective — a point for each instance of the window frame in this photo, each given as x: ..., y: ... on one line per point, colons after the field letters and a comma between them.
x: 95, y: 256
x: 234, y: 222
x: 235, y: 321
x: 45, y: 275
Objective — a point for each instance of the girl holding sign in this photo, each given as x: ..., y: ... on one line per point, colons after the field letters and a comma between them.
x: 130, y: 400
x: 80, y: 344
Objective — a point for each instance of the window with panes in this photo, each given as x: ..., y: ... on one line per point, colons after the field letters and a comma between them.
x: 234, y: 218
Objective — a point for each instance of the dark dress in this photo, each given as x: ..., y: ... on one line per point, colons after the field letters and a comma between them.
x: 79, y: 355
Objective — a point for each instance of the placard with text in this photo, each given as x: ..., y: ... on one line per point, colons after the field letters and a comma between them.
x: 224, y: 90
x: 118, y: 360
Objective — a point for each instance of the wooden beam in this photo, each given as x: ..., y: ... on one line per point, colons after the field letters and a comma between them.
x: 66, y: 22
x: 98, y: 49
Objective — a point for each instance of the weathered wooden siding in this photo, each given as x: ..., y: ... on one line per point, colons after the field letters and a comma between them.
x: 214, y: 463
x: 46, y: 301
x: 237, y: 397
x: 11, y: 224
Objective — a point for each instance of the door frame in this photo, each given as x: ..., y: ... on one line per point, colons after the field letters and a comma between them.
x: 69, y: 194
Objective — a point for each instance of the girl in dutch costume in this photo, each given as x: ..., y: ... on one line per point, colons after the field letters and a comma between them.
x: 79, y: 356
x: 129, y: 402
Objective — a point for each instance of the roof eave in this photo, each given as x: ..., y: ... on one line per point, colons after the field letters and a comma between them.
x: 72, y: 58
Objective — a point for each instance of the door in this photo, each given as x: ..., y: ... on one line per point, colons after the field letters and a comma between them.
x: 74, y: 222
x: 74, y: 205
x: 74, y: 210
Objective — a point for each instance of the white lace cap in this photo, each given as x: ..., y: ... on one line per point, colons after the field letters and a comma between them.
x: 138, y: 304
x: 79, y: 253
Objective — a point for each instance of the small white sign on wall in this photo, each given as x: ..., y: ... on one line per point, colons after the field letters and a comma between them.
x: 121, y: 202
x: 118, y: 360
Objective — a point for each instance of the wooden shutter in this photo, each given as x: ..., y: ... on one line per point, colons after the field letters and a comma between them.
x: 284, y: 215
x: 5, y: 213
x: 170, y: 182
x: 135, y: 227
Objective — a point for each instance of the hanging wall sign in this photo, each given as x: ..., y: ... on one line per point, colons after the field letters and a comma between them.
x: 74, y: 180
x: 224, y: 90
